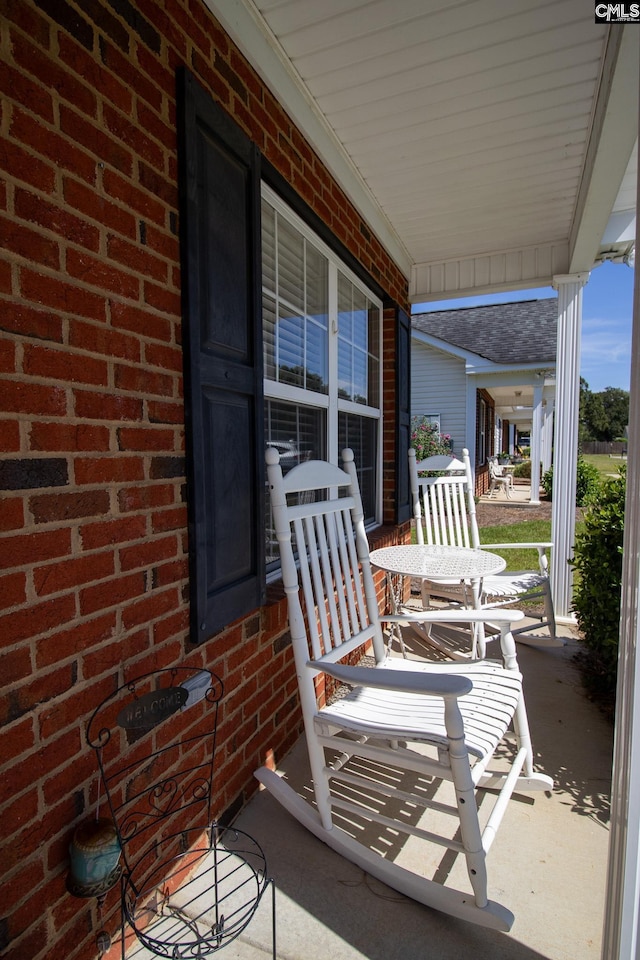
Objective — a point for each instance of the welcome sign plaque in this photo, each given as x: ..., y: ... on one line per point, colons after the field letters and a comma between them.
x: 150, y: 709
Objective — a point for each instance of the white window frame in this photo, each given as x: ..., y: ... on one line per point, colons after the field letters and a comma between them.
x: 274, y: 390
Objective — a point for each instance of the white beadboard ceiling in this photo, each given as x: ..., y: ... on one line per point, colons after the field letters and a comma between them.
x: 486, y: 143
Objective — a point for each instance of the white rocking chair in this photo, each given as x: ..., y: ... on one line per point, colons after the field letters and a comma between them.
x: 445, y: 513
x: 403, y: 720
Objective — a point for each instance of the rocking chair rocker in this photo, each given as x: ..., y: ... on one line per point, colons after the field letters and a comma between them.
x: 403, y: 720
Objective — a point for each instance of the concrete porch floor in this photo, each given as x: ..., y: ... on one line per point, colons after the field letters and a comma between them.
x: 548, y: 863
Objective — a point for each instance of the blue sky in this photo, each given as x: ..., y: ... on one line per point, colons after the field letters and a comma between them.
x: 607, y: 309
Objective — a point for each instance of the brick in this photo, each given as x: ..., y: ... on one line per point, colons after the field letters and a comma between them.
x: 94, y: 632
x: 159, y: 298
x: 163, y: 468
x: 29, y: 321
x: 140, y: 321
x: 65, y: 712
x: 56, y: 364
x: 101, y: 339
x: 129, y: 74
x: 21, y: 164
x: 167, y: 573
x: 7, y: 356
x: 30, y: 21
x: 6, y: 282
x: 99, y: 208
x: 95, y: 140
x: 163, y: 412
x: 158, y: 184
x: 145, y: 438
x: 61, y: 150
x: 145, y: 497
x: 175, y: 519
x: 28, y: 473
x: 83, y: 63
x: 108, y: 469
x: 141, y: 380
x: 24, y: 242
x: 61, y: 295
x: 35, y: 209
x: 165, y: 357
x: 175, y: 625
x: 104, y: 407
x: 147, y: 553
x: 96, y: 535
x: 145, y: 611
x: 22, y: 549
x: 22, y: 89
x: 110, y: 656
x: 135, y: 199
x: 137, y: 258
x: 38, y: 618
x: 32, y: 398
x: 111, y: 593
x: 27, y: 877
x: 13, y: 590
x: 9, y: 436
x: 70, y: 20
x: 99, y: 273
x: 11, y: 511
x: 133, y: 136
x: 23, y: 700
x: 65, y: 575
x: 62, y: 507
x: 16, y: 739
x: 52, y: 75
x: 49, y: 757
x: 71, y: 437
x: 15, y: 665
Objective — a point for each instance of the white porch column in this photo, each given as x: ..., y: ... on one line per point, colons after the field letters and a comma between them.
x: 547, y: 435
x: 536, y: 444
x: 470, y: 432
x: 565, y: 452
x: 621, y: 936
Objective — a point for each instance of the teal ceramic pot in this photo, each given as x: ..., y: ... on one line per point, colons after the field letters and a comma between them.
x: 94, y: 853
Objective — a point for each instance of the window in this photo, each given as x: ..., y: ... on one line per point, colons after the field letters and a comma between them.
x: 321, y: 346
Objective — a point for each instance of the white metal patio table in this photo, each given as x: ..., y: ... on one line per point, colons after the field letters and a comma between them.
x: 435, y: 562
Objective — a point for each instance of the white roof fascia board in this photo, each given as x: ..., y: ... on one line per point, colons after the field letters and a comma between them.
x: 249, y: 32
x: 475, y: 364
x: 613, y: 136
x: 430, y: 341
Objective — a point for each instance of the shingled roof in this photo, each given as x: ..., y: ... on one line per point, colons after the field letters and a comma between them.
x: 509, y: 333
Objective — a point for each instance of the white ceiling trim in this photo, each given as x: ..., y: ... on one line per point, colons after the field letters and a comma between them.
x: 612, y: 142
x: 523, y: 269
x: 262, y: 49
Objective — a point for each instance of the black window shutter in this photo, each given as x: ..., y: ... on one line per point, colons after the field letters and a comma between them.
x: 403, y: 415
x: 221, y: 271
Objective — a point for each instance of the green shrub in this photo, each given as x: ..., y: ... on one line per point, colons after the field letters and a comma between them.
x: 426, y: 440
x: 596, y: 600
x: 523, y: 470
x: 587, y: 482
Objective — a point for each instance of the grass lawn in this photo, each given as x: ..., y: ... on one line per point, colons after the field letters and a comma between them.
x: 606, y: 465
x: 527, y: 531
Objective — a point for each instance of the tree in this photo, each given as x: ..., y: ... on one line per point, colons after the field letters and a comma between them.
x: 604, y: 415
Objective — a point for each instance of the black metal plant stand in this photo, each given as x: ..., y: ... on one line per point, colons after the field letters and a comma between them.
x: 189, y: 885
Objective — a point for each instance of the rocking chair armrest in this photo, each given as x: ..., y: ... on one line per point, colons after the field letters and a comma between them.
x: 522, y: 546
x: 403, y: 681
x: 455, y: 615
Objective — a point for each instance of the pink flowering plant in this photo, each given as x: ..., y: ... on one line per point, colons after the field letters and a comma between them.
x: 426, y: 440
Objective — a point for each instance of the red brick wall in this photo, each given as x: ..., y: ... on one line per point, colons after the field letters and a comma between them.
x: 94, y: 572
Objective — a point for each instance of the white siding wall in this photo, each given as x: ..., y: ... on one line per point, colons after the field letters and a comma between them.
x: 438, y: 385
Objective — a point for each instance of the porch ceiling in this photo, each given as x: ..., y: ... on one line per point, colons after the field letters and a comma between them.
x: 487, y: 149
